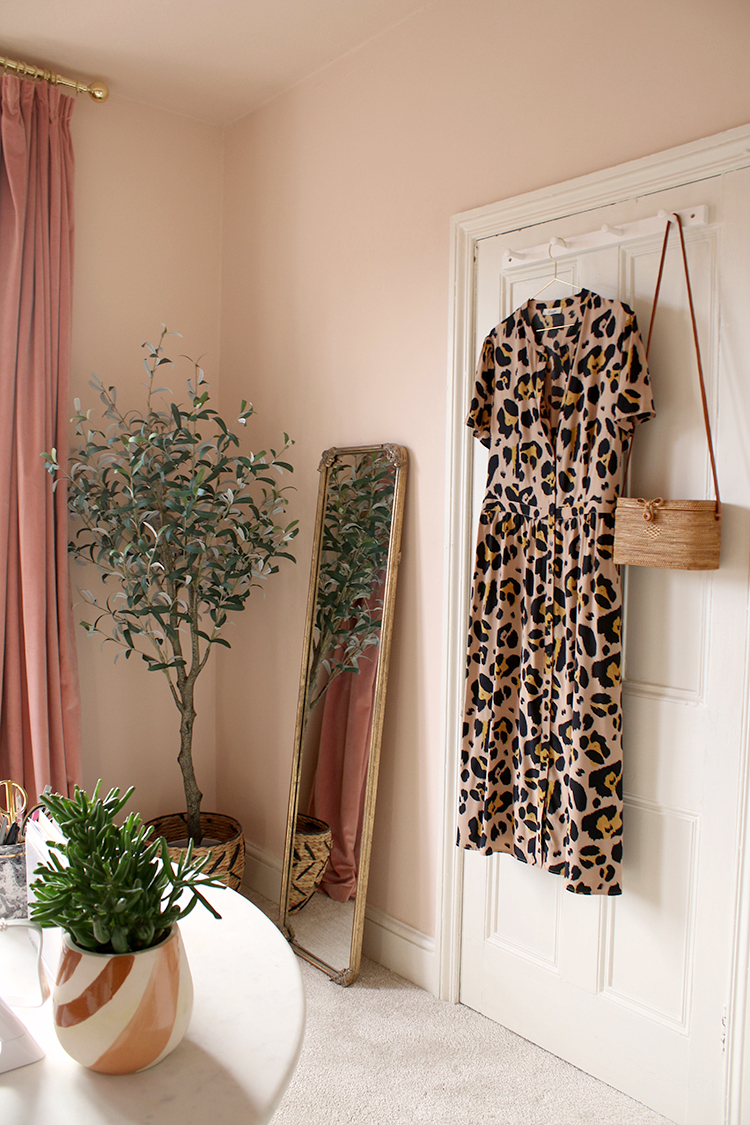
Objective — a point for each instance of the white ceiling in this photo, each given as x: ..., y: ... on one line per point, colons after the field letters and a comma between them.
x: 215, y: 60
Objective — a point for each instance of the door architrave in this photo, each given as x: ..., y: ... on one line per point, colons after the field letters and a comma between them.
x: 698, y: 160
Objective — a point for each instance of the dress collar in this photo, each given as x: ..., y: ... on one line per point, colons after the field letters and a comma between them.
x: 581, y: 300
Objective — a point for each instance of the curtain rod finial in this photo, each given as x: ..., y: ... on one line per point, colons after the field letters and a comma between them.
x: 99, y: 91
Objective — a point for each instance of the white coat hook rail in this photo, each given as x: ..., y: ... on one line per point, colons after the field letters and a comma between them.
x: 605, y: 236
x: 517, y: 256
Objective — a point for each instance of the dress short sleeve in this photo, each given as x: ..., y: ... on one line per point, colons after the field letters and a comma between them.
x: 634, y: 402
x: 480, y: 411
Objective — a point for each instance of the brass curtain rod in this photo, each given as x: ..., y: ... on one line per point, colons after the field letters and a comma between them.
x: 99, y: 91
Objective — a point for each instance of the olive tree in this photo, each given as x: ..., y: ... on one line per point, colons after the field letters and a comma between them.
x: 182, y: 522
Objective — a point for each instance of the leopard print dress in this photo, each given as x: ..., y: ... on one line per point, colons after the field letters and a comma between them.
x: 559, y: 390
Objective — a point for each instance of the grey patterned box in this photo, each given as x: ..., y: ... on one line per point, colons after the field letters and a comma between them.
x: 13, y: 899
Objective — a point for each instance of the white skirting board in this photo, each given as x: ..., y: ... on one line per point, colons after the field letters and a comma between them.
x: 262, y: 872
x: 388, y: 942
x: 400, y: 948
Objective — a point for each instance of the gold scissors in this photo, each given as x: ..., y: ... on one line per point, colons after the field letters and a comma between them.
x: 15, y: 800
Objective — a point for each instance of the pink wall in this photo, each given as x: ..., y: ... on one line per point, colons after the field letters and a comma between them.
x: 335, y: 306
x: 148, y: 234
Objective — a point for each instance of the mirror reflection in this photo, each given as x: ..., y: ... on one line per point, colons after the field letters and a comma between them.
x: 340, y: 710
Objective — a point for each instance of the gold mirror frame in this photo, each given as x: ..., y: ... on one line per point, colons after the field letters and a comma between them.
x: 396, y: 455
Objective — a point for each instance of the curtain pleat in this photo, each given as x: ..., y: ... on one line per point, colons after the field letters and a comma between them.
x: 39, y: 699
x: 340, y: 783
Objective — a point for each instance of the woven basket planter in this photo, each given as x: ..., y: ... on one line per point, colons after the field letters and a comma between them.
x: 312, y: 847
x: 228, y: 863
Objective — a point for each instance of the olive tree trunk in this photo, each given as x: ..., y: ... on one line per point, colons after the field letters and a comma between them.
x: 193, y: 794
x: 184, y: 699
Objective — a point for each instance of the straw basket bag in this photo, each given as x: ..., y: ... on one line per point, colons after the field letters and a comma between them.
x: 671, y: 534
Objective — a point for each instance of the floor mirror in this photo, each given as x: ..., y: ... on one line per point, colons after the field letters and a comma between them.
x: 355, y: 560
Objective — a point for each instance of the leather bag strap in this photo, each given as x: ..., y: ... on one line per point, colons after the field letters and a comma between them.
x: 704, y: 402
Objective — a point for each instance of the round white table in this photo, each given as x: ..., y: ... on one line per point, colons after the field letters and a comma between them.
x: 231, y: 1068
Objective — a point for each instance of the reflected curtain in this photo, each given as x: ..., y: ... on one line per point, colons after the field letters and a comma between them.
x: 39, y: 702
x: 340, y: 784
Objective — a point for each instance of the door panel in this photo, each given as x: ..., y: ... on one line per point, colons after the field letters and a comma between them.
x: 649, y: 932
x: 669, y: 662
x: 634, y: 989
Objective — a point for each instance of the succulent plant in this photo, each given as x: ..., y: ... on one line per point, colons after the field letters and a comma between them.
x: 111, y: 888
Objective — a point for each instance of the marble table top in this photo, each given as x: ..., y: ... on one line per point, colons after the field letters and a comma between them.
x: 231, y: 1068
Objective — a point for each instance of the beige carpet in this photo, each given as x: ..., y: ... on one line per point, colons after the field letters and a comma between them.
x: 324, y: 928
x: 384, y: 1052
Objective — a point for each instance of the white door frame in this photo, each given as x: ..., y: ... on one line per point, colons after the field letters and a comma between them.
x: 699, y: 160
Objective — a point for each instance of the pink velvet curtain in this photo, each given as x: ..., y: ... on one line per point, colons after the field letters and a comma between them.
x: 39, y: 703
x: 338, y: 794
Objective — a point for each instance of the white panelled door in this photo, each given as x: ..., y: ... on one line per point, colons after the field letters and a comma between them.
x: 635, y: 989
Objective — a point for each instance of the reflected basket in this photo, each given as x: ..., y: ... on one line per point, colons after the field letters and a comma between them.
x: 224, y: 839
x: 312, y: 848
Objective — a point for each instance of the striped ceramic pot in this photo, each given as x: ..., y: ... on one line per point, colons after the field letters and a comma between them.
x: 118, y: 1013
